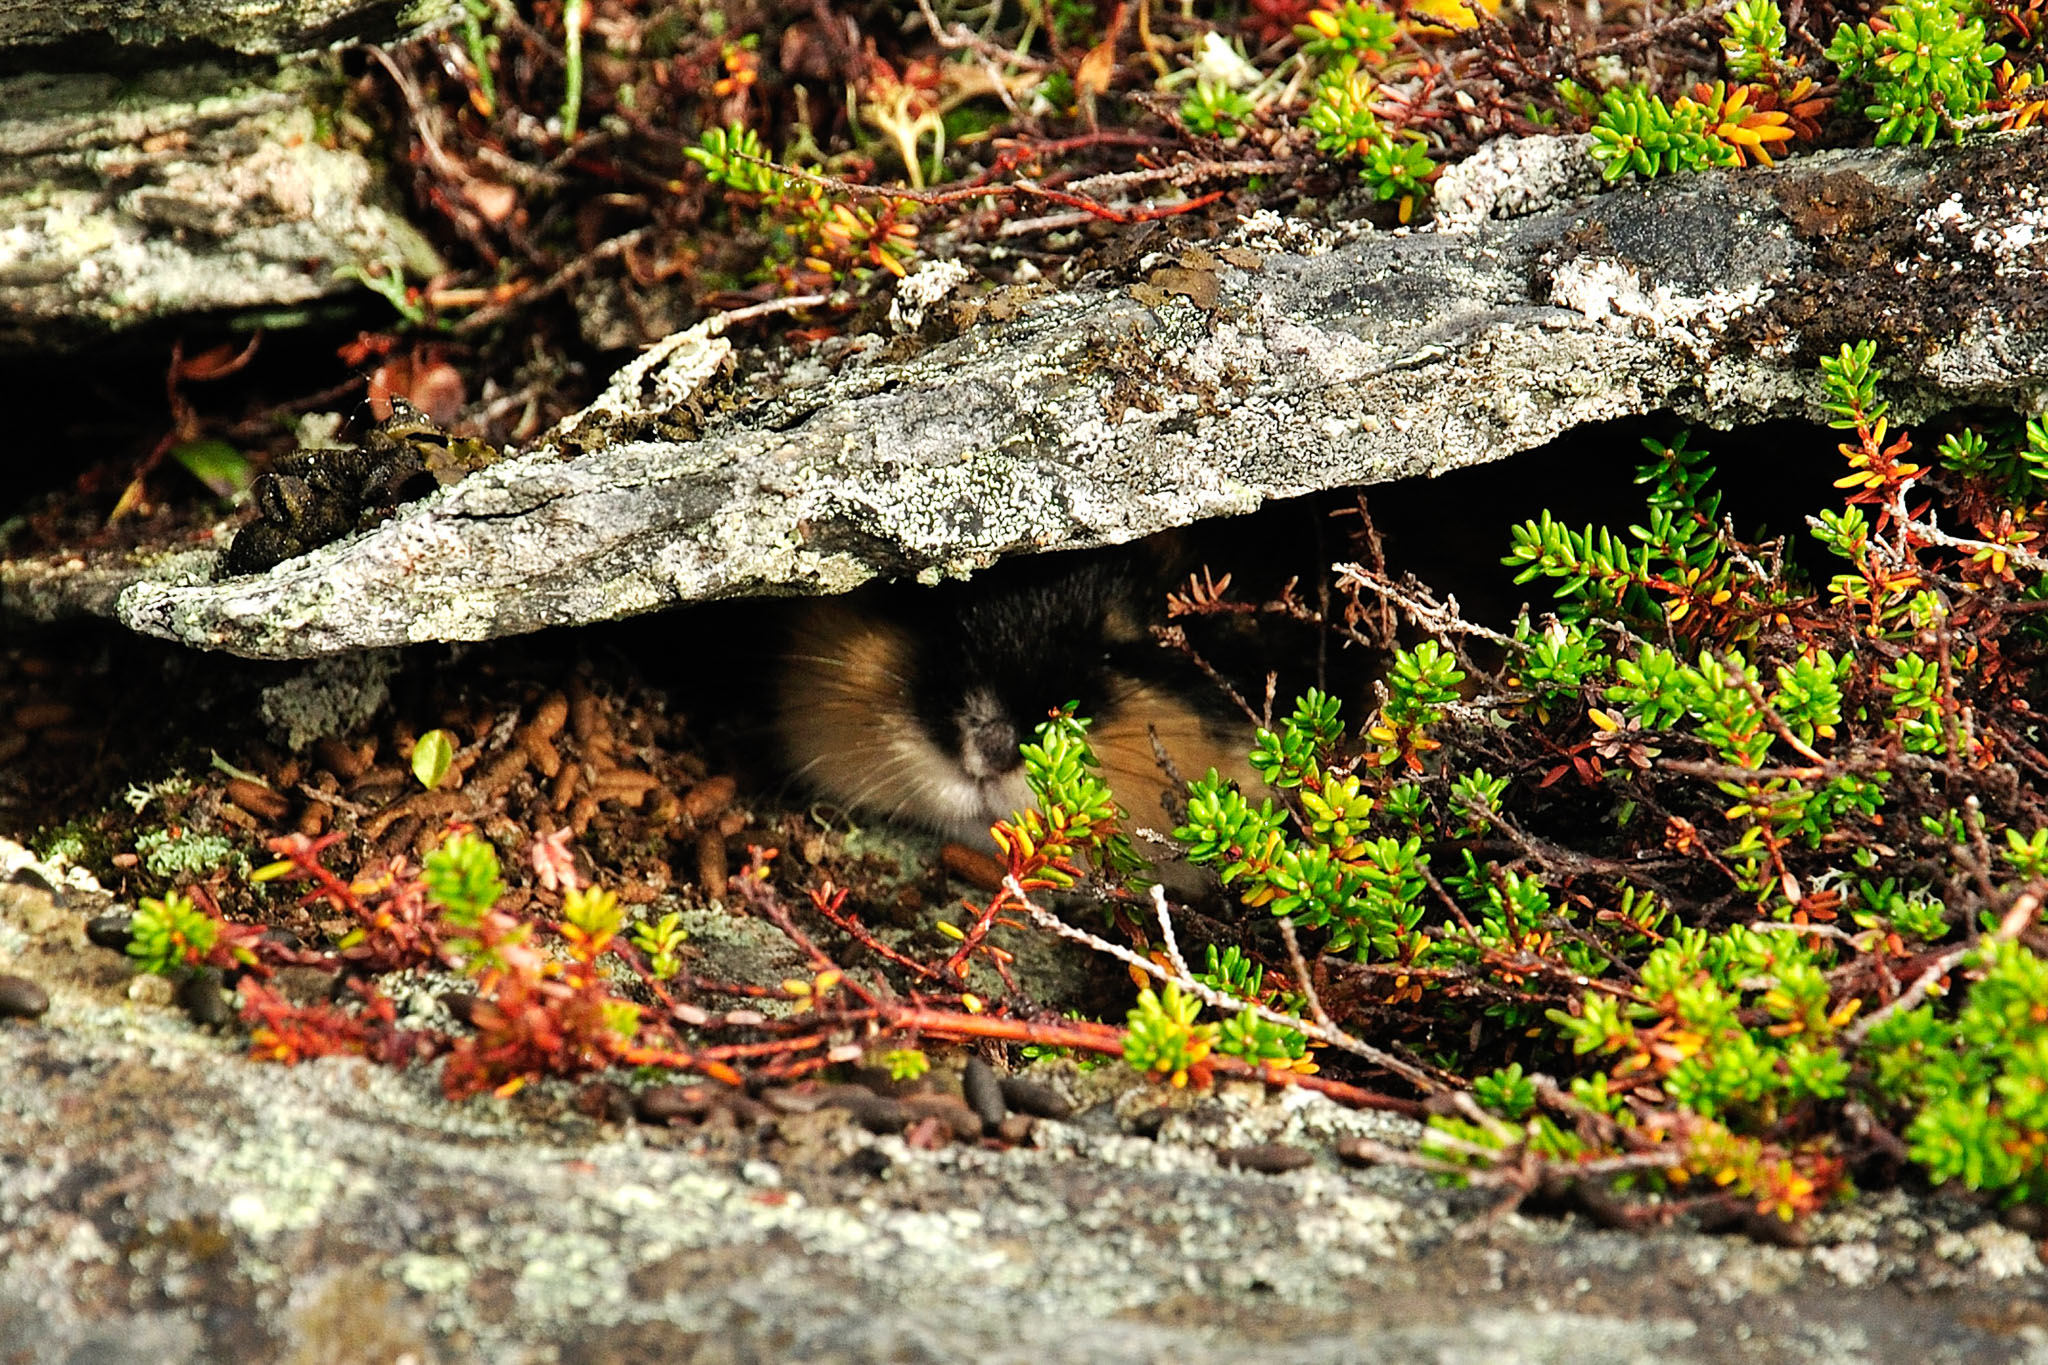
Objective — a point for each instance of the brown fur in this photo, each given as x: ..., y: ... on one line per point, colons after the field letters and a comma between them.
x: 850, y: 731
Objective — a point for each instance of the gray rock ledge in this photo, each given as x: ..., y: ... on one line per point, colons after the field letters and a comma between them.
x: 166, y: 1201
x: 1287, y: 360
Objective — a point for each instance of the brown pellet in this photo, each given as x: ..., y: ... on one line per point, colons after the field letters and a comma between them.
x: 605, y: 1101
x: 750, y: 1112
x: 984, y: 1092
x: 709, y: 797
x: 582, y: 813
x: 1029, y: 1097
x: 625, y: 785
x: 258, y: 800
x: 232, y: 814
x: 548, y: 718
x: 345, y: 761
x: 43, y: 715
x: 712, y: 870
x: 1356, y: 1152
x: 204, y: 998
x: 314, y: 818
x: 391, y: 783
x: 1016, y: 1128
x: 973, y: 866
x: 500, y: 772
x: 586, y: 716
x: 564, y: 789
x: 877, y: 1114
x: 790, y: 1099
x: 665, y: 1104
x: 433, y: 805
x: 547, y: 759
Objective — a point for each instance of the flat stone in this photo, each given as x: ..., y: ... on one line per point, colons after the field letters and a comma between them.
x: 1329, y: 358
x: 193, y: 188
x: 253, y: 27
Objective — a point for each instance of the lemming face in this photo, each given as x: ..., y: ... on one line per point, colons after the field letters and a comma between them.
x: 910, y: 704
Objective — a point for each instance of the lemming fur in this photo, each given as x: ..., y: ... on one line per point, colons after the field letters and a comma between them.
x: 909, y: 704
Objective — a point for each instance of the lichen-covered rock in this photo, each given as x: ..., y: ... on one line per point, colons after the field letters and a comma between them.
x: 253, y: 27
x: 168, y: 1201
x: 128, y: 198
x: 1286, y: 360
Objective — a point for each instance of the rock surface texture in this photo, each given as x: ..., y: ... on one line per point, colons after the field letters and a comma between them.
x: 167, y: 163
x: 254, y: 27
x: 1204, y: 381
x: 164, y: 1201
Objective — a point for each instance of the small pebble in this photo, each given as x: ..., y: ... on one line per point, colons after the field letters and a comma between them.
x: 1270, y: 1158
x: 22, y: 998
x: 984, y: 1092
x: 201, y: 997
x: 1042, y: 1101
x: 111, y: 931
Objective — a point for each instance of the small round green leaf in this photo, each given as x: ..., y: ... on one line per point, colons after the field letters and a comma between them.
x: 432, y: 755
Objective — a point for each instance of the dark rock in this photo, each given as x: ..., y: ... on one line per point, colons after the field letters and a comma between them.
x: 111, y: 931
x: 1040, y: 1101
x: 21, y: 998
x: 202, y: 997
x: 1147, y: 1123
x: 1333, y: 357
x: 870, y: 1162
x: 876, y: 1113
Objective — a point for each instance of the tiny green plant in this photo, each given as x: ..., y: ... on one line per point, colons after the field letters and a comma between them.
x: 170, y: 933
x: 1396, y: 165
x: 1162, y: 1036
x: 1927, y: 65
x: 1755, y: 45
x: 662, y: 941
x: 817, y: 232
x: 1215, y: 110
x: 1817, y: 934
